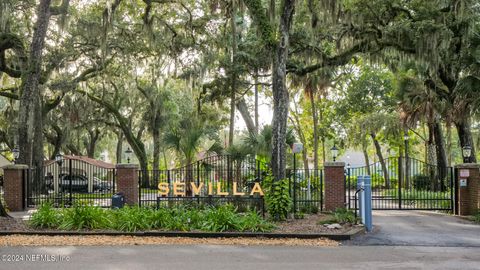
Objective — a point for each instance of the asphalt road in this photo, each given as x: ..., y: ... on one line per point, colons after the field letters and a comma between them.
x: 208, y: 257
x: 401, y: 240
x: 420, y: 228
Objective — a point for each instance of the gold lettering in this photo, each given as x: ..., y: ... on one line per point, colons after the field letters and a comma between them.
x: 179, y: 189
x: 235, y: 192
x: 163, y: 189
x: 219, y: 190
x: 210, y: 191
x: 196, y: 190
x: 257, y: 189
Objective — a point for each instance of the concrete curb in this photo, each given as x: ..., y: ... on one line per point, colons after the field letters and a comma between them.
x: 340, y: 237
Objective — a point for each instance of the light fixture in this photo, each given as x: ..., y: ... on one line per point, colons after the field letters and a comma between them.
x: 467, y: 153
x: 59, y: 159
x: 16, y: 154
x: 334, y: 152
x: 128, y: 153
x: 405, y: 137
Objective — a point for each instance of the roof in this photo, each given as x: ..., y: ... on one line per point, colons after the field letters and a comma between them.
x: 91, y: 161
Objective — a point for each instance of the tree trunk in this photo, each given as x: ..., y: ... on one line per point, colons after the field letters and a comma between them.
x: 280, y: 93
x: 465, y: 137
x: 298, y: 128
x: 315, y: 130
x: 3, y: 212
x: 255, y: 79
x: 92, y: 143
x: 119, y: 151
x: 233, y: 73
x: 156, y: 149
x: 378, y: 149
x: 449, y: 144
x: 243, y: 109
x: 30, y: 99
x: 367, y: 160
x: 441, y: 154
x: 324, y: 158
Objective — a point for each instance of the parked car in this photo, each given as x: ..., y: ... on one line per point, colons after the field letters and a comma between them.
x: 101, y: 185
x: 80, y: 184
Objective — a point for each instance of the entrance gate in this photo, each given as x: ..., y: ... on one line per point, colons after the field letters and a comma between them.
x: 404, y: 184
x: 76, y: 180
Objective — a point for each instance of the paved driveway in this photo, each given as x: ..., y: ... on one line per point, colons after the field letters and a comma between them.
x: 420, y: 228
x: 210, y: 257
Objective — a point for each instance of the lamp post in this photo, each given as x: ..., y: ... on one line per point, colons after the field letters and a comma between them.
x: 128, y: 153
x: 16, y: 154
x: 59, y: 159
x: 334, y: 150
x: 467, y: 153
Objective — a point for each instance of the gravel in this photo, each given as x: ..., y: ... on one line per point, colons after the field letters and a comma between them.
x: 39, y: 240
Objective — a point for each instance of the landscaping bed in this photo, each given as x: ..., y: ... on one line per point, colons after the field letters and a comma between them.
x: 221, y: 221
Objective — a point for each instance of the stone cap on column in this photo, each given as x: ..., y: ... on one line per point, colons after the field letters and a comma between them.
x: 468, y: 166
x: 15, y: 167
x: 127, y: 166
x: 334, y: 164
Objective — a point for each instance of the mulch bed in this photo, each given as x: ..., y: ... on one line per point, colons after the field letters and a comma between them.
x: 309, y: 224
x: 12, y: 224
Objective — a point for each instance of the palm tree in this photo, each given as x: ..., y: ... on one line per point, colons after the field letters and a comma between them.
x: 315, y: 85
x: 420, y: 103
x: 185, y: 138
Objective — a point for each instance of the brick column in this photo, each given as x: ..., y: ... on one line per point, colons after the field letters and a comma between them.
x: 334, y: 185
x: 467, y: 198
x: 127, y: 182
x: 13, y: 186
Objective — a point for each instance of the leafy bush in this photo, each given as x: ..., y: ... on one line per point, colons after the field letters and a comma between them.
x: 131, y: 219
x: 340, y: 216
x: 309, y: 208
x: 45, y: 217
x: 278, y: 199
x: 220, y: 219
x: 83, y: 216
x: 343, y: 215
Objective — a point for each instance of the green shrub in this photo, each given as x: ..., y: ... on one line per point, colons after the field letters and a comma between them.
x: 343, y: 215
x: 131, y: 219
x: 251, y: 221
x: 83, y: 216
x: 309, y: 208
x: 220, y: 219
x: 45, y: 217
x: 340, y: 216
x: 278, y: 200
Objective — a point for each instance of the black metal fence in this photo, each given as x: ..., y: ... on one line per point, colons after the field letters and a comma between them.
x: 75, y: 181
x: 407, y: 184
x: 210, y: 181
x: 200, y: 183
x: 306, y: 190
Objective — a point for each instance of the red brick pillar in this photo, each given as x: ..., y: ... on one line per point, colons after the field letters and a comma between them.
x: 334, y: 185
x: 467, y: 193
x: 13, y: 186
x: 127, y: 182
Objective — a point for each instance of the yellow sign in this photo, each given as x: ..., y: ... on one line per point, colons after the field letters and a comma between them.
x: 179, y: 189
